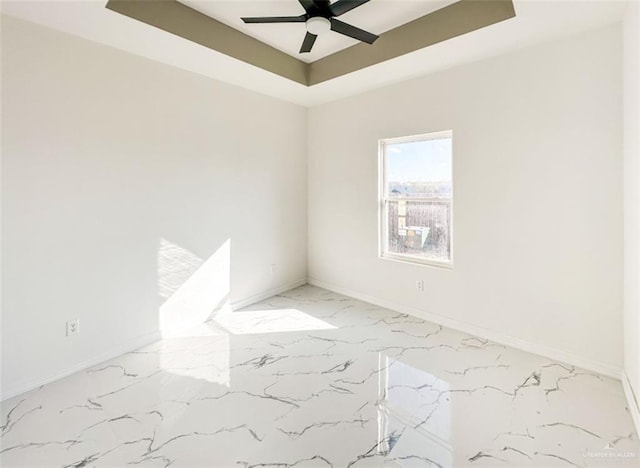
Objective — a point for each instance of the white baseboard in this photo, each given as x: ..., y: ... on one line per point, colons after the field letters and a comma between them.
x: 239, y: 304
x: 130, y: 346
x: 632, y: 401
x: 115, y: 351
x: 497, y: 337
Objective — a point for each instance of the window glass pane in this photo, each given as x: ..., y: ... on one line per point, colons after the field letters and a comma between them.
x: 418, y: 169
x: 423, y: 233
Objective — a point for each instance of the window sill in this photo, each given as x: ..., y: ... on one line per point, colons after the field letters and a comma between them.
x: 417, y: 261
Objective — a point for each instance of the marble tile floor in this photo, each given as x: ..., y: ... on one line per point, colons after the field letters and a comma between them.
x: 310, y: 378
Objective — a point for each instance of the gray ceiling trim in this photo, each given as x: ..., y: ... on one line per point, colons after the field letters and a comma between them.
x: 181, y: 20
x: 451, y: 21
x: 454, y: 20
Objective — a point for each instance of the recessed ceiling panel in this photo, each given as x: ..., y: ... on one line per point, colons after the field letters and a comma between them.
x: 446, y: 20
x: 376, y: 16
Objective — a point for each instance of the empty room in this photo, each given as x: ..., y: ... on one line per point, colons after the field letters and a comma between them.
x: 313, y: 233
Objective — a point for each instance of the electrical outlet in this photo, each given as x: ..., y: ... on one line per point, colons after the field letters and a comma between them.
x: 73, y: 327
x: 274, y: 267
x: 420, y: 285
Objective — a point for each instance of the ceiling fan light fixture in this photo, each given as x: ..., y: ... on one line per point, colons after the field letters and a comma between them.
x: 319, y: 18
x: 318, y: 25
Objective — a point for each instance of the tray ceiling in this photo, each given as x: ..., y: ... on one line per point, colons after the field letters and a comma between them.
x: 377, y: 16
x: 444, y: 23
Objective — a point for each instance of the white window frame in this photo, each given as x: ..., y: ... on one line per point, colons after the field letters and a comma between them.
x: 383, y: 199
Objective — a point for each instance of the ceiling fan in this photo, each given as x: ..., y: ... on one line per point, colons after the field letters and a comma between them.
x: 320, y: 16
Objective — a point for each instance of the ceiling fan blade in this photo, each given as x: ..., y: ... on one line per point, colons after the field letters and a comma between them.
x: 351, y: 31
x: 307, y: 4
x: 342, y: 6
x: 307, y: 44
x: 316, y: 7
x: 276, y: 19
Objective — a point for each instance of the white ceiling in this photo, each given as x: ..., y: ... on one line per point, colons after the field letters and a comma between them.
x: 377, y: 16
x: 536, y: 22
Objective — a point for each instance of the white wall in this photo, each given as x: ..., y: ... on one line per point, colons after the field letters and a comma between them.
x: 632, y: 197
x: 537, y: 195
x: 120, y: 173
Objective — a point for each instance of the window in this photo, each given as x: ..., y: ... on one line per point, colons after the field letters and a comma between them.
x: 416, y: 193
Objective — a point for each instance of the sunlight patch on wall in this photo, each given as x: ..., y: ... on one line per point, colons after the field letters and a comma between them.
x: 193, y: 287
x: 175, y: 265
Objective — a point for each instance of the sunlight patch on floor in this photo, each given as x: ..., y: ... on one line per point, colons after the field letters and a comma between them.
x: 268, y: 321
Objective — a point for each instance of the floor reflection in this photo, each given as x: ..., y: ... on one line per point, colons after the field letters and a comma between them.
x: 415, y: 404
